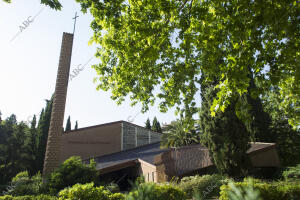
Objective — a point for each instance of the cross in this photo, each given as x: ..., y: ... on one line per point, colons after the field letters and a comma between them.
x: 76, y: 16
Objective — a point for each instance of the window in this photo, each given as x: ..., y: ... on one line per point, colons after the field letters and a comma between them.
x: 153, y: 176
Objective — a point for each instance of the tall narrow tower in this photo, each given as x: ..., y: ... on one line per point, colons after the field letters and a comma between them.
x: 53, y: 149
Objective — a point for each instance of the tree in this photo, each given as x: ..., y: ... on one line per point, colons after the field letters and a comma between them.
x: 156, y: 125
x: 286, y: 138
x: 176, y: 134
x: 70, y: 172
x: 76, y: 125
x: 51, y: 3
x: 42, y: 131
x: 31, y: 145
x: 148, y: 124
x: 143, y: 44
x: 0, y: 116
x: 68, y: 125
x: 225, y: 136
x: 13, y: 154
x: 259, y: 123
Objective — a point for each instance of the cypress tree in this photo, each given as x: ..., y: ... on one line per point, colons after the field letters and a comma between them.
x: 156, y: 125
x: 31, y: 145
x: 76, y: 125
x: 42, y: 130
x: 148, y: 124
x: 259, y: 126
x: 225, y: 136
x: 68, y: 125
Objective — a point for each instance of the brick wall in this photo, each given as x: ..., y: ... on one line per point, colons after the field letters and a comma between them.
x: 52, y: 156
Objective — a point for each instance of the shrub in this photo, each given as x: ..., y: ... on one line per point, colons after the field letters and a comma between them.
x: 88, y: 192
x: 152, y: 191
x: 292, y: 173
x: 27, y: 197
x: 246, y: 193
x: 113, y: 187
x: 23, y: 184
x: 69, y: 173
x: 268, y: 191
x: 205, y: 186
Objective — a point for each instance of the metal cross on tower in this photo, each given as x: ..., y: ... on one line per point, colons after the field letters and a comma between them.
x: 76, y: 16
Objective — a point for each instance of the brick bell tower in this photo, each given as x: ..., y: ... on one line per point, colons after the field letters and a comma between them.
x: 53, y: 149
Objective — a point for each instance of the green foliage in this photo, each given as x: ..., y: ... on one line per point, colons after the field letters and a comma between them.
x: 148, y: 124
x: 176, y: 134
x: 152, y: 191
x: 286, y: 138
x: 14, y: 154
x: 143, y: 44
x: 292, y: 173
x: 268, y: 191
x: 88, y: 192
x: 225, y: 136
x: 69, y: 173
x: 202, y: 187
x: 51, y: 3
x: 23, y: 184
x: 246, y: 193
x: 156, y: 125
x: 68, y: 125
x: 42, y: 134
x: 76, y: 125
x: 113, y: 187
x: 27, y: 197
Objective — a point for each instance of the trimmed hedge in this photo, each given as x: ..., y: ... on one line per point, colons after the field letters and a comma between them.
x: 28, y: 197
x: 205, y: 186
x: 292, y: 173
x: 152, y: 191
x: 88, y: 192
x: 268, y: 191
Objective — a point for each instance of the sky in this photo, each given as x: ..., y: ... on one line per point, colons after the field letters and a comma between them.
x: 29, y: 59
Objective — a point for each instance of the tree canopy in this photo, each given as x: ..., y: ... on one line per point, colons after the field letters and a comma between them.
x: 55, y: 4
x: 147, y: 44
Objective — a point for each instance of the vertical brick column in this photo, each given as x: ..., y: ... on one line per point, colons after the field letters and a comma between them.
x: 53, y: 149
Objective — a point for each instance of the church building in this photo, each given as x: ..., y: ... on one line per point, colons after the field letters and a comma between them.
x: 124, y: 151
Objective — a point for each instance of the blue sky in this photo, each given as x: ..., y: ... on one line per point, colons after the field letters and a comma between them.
x: 28, y: 66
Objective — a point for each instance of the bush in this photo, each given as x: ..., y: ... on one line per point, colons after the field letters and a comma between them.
x: 113, y: 188
x: 152, y: 191
x: 205, y: 186
x: 88, y: 192
x: 27, y: 197
x: 23, y: 184
x: 292, y: 173
x: 268, y: 191
x: 69, y: 173
x: 246, y: 193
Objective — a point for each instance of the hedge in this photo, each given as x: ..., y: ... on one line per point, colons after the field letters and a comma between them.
x: 268, y: 191
x: 88, y: 192
x: 205, y: 186
x: 28, y: 197
x: 153, y: 191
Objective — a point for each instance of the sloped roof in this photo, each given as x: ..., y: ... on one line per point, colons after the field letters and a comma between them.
x: 146, y: 153
x: 260, y: 146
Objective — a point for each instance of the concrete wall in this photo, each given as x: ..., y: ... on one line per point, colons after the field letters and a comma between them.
x: 134, y: 136
x: 266, y: 158
x: 92, y: 141
x: 105, y: 139
x: 148, y: 171
x: 180, y: 161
